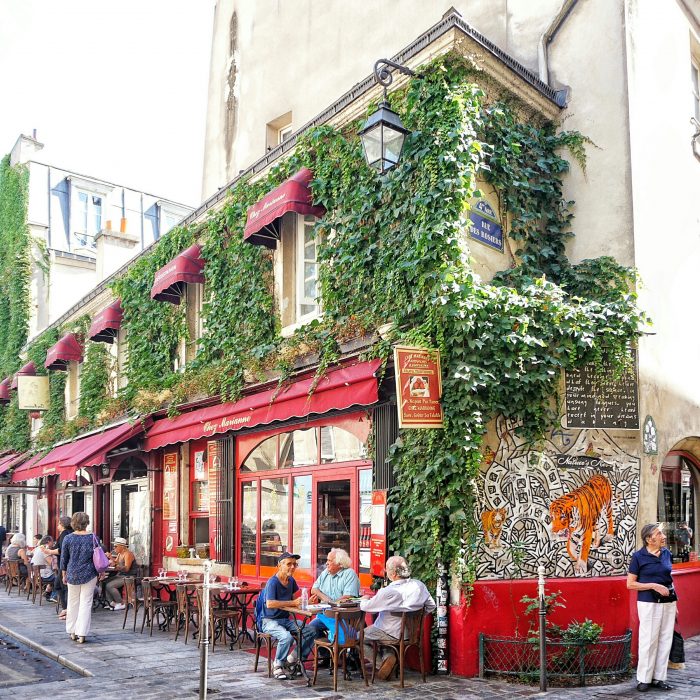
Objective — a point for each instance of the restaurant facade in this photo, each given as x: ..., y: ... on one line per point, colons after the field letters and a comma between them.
x: 304, y: 460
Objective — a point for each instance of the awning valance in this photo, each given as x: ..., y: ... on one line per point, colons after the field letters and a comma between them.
x: 5, y: 390
x: 294, y: 194
x: 105, y: 325
x: 29, y: 370
x: 89, y: 451
x: 7, y: 461
x: 26, y: 471
x: 185, y: 268
x: 355, y: 385
x: 66, y: 350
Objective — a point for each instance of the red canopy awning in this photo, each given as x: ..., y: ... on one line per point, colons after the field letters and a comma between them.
x: 105, y: 325
x: 26, y: 470
x: 7, y: 461
x: 66, y: 350
x: 355, y: 385
x: 294, y: 195
x: 5, y: 390
x: 186, y: 268
x: 29, y: 370
x: 89, y: 451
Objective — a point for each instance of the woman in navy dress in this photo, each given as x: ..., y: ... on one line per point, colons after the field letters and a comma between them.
x: 80, y: 574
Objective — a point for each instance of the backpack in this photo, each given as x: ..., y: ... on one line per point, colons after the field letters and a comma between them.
x: 260, y: 608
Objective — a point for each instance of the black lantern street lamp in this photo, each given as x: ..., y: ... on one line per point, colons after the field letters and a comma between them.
x: 383, y: 133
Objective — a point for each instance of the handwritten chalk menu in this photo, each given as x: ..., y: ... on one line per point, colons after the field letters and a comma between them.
x: 595, y: 398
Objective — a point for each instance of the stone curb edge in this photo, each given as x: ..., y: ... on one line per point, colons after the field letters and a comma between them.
x: 71, y: 665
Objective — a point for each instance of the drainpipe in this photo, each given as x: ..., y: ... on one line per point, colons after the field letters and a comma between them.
x: 548, y: 36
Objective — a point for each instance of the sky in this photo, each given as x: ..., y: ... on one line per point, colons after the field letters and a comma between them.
x: 116, y: 89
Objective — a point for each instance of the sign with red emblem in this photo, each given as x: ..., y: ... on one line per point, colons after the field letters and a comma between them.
x: 418, y: 387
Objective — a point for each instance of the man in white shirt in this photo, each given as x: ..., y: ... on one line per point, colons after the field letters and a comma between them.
x: 403, y: 594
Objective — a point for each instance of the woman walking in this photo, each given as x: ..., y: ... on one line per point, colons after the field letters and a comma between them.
x: 650, y: 576
x: 80, y: 574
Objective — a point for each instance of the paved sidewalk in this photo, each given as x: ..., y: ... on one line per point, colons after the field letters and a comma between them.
x: 123, y: 664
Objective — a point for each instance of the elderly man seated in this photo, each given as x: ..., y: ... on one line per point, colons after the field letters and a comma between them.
x: 281, y: 591
x: 403, y: 594
x: 124, y: 563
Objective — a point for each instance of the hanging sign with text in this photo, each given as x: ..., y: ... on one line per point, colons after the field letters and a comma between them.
x: 418, y: 387
x: 377, y: 547
x: 596, y: 398
x: 170, y: 538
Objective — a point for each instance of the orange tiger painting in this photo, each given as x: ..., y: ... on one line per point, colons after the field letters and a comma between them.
x: 492, y: 521
x: 579, y: 512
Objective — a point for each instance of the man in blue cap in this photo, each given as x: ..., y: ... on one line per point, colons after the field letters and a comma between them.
x: 281, y: 592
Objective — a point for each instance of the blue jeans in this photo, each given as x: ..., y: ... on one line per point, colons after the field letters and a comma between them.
x: 284, y: 631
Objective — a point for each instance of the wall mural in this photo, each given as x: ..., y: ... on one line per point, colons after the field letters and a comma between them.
x: 569, y: 503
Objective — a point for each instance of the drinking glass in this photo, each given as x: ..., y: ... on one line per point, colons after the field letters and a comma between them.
x: 161, y: 573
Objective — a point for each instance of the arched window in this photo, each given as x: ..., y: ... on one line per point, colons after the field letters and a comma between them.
x: 678, y: 488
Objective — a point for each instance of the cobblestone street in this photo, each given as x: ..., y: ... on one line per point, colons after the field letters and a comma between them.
x: 117, y: 663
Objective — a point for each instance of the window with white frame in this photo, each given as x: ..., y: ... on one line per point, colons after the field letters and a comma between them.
x: 88, y: 202
x: 122, y: 343
x: 278, y: 130
x: 194, y: 306
x: 306, y: 269
x: 72, y: 390
x: 695, y: 87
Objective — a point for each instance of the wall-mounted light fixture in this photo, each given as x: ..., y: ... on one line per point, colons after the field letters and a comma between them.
x: 383, y: 133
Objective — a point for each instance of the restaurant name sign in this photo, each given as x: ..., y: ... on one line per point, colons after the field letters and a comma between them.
x: 418, y: 387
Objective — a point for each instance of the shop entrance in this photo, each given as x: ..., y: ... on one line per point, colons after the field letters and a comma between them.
x: 333, y: 517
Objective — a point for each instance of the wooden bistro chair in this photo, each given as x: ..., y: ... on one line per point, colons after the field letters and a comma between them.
x: 154, y: 605
x: 219, y: 617
x: 260, y: 638
x: 349, y: 624
x: 187, y: 610
x: 36, y: 584
x: 14, y: 577
x: 411, y: 636
x: 133, y: 601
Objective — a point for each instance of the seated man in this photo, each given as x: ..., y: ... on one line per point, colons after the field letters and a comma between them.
x: 337, y: 582
x: 124, y: 563
x: 280, y: 592
x: 403, y: 594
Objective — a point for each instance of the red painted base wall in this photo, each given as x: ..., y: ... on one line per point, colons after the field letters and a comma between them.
x: 496, y: 609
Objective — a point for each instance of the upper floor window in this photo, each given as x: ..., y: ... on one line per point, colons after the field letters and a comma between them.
x: 88, y: 202
x: 695, y: 87
x: 307, y: 269
x: 72, y: 391
x: 194, y: 305
x: 278, y: 130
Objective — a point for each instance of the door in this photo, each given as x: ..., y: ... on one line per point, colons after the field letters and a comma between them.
x: 335, y: 515
x: 140, y: 524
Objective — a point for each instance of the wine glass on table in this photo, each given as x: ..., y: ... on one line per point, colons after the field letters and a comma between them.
x: 161, y: 573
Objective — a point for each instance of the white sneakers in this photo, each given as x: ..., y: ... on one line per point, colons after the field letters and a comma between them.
x: 292, y: 658
x: 119, y: 606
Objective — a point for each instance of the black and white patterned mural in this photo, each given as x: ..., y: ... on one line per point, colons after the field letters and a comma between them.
x: 569, y: 503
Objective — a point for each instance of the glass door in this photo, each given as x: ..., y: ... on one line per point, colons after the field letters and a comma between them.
x: 335, y: 517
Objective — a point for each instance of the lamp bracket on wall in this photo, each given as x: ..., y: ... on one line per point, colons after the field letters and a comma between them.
x: 383, y: 74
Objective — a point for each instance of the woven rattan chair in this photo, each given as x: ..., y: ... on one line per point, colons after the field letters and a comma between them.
x: 349, y: 634
x: 411, y: 636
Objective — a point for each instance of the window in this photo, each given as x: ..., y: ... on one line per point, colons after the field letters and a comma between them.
x: 121, y: 346
x: 88, y: 221
x: 278, y: 130
x: 199, y: 496
x: 677, y: 503
x: 194, y: 304
x: 72, y: 390
x: 695, y: 87
x: 307, y: 269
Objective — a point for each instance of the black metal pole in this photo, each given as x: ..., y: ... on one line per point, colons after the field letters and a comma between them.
x: 543, y: 629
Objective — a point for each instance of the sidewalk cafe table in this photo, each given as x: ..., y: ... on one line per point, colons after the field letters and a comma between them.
x: 240, y: 598
x: 164, y: 585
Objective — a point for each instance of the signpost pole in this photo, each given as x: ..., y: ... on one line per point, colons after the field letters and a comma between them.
x: 204, y: 633
x: 543, y: 626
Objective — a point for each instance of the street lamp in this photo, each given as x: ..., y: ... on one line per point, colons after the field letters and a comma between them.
x: 383, y: 133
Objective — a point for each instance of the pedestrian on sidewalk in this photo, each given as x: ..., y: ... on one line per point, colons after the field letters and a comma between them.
x: 650, y: 575
x: 79, y: 573
x: 64, y: 529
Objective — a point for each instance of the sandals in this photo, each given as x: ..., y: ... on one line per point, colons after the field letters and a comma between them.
x: 281, y: 673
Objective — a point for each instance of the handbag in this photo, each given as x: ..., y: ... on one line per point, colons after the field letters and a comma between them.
x: 670, y: 598
x: 677, y: 655
x: 99, y: 558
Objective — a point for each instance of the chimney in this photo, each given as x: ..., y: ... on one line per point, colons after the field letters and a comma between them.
x: 25, y: 147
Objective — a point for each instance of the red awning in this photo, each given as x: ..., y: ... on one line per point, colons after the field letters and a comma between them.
x: 29, y: 370
x: 66, y: 350
x: 105, y: 325
x: 7, y: 461
x: 355, y: 385
x: 87, y: 452
x: 26, y: 470
x: 186, y: 268
x: 294, y: 195
x: 5, y: 390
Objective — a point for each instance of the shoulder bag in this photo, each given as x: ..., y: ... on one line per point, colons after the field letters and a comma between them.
x: 99, y: 558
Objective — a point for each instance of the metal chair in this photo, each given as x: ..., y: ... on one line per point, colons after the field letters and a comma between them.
x: 132, y: 599
x: 350, y: 627
x: 411, y: 635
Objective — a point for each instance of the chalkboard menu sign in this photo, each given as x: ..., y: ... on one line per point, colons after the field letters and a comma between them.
x: 597, y: 399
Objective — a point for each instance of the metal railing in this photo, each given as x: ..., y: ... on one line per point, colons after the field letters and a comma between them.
x: 607, y: 658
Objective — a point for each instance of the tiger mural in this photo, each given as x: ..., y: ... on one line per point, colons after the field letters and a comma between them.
x: 579, y: 512
x: 492, y: 522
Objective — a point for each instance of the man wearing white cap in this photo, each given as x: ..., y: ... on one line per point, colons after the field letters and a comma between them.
x: 124, y: 563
